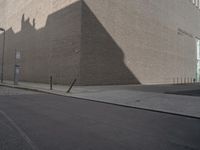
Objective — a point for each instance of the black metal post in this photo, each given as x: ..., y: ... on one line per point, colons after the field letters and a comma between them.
x: 71, y: 85
x: 51, y: 83
x: 194, y: 80
x: 2, y: 60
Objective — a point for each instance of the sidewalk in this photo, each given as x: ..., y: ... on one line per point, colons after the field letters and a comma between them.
x: 141, y: 96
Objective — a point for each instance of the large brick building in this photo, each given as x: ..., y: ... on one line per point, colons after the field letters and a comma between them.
x: 102, y: 41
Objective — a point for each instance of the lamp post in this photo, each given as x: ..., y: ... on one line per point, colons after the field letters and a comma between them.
x: 2, y: 60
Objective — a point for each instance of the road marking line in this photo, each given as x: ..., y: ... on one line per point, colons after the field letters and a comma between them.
x: 21, y: 132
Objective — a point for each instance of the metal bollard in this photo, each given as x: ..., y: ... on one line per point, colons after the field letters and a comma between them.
x: 185, y: 80
x: 51, y: 83
x: 68, y: 91
x: 194, y: 80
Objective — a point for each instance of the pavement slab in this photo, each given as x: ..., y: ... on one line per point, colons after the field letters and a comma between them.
x: 166, y: 98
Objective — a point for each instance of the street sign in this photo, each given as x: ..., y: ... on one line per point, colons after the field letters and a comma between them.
x: 16, y: 74
x: 18, y: 55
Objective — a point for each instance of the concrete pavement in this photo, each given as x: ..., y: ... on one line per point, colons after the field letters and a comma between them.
x: 152, y: 97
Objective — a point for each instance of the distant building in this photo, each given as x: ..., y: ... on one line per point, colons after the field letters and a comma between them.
x: 102, y: 42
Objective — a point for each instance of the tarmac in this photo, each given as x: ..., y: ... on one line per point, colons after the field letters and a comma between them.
x: 38, y: 121
x: 181, y: 99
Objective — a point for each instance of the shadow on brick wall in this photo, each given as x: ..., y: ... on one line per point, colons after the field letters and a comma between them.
x: 102, y: 60
x: 72, y: 44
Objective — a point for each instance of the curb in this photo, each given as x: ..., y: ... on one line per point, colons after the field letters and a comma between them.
x: 65, y: 95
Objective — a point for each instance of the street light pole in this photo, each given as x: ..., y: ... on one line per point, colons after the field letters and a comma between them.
x: 2, y: 60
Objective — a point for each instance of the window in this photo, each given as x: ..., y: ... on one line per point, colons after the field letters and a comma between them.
x: 196, y: 3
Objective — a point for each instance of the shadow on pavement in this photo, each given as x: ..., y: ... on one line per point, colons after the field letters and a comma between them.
x: 188, y: 93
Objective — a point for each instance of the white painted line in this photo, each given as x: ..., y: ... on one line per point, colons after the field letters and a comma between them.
x: 20, y: 131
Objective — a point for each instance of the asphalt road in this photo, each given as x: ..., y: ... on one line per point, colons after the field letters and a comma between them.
x: 35, y: 121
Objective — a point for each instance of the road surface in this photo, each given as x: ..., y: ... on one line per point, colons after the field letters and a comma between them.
x: 36, y: 121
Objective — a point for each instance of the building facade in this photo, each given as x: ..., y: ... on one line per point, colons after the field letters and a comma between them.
x: 102, y: 42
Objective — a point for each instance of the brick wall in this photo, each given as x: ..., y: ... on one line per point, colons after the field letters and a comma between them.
x: 101, y: 41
